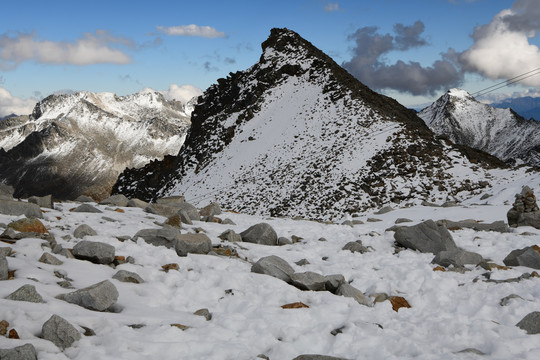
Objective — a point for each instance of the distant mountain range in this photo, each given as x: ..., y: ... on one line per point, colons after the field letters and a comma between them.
x: 528, y: 107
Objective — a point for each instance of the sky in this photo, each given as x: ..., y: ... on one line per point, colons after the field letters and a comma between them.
x: 411, y: 50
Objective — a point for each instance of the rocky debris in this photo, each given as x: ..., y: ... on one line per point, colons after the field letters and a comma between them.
x: 308, y: 281
x: 173, y: 201
x: 530, y: 323
x: 94, y: 251
x: 60, y: 250
x: 23, y: 352
x: 185, y: 217
x: 47, y: 258
x: 498, y: 226
x: 425, y: 237
x: 192, y: 244
x: 4, y: 272
x: 28, y: 225
x: 26, y: 293
x: 295, y: 305
x: 128, y: 276
x: 84, y: 230
x: 506, y: 300
x: 42, y: 201
x: 230, y: 235
x: 302, y: 262
x: 227, y: 221
x: 384, y: 210
x: 159, y: 237
x: 317, y: 357
x: 84, y: 199
x: 528, y: 256
x: 333, y: 282
x: 204, y: 313
x: 137, y: 203
x: 174, y: 221
x: 13, y: 334
x: 18, y: 208
x: 373, y: 220
x: 355, y: 246
x: 457, y: 257
x: 210, y: 210
x: 98, y: 297
x: 87, y: 208
x: 524, y: 211
x: 5, y: 251
x: 398, y: 302
x: 116, y: 200
x: 274, y: 266
x: 348, y: 290
x: 60, y: 332
x: 261, y: 233
x: 525, y: 276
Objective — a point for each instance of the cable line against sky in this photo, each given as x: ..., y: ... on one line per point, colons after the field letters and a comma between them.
x: 508, y: 82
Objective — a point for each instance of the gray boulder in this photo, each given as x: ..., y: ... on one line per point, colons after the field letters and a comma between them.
x: 212, y: 209
x: 530, y: 323
x: 173, y: 201
x: 282, y: 240
x: 84, y: 230
x: 317, y: 357
x: 261, y: 233
x: 190, y: 210
x: 137, y: 203
x: 42, y: 201
x: 333, y: 282
x: 355, y: 246
x: 84, y: 198
x: 426, y: 237
x: 3, y: 267
x: 162, y: 210
x: 128, y: 276
x: 60, y: 332
x: 184, y: 217
x: 348, y: 290
x: 230, y: 235
x: 498, y: 226
x: 457, y: 257
x: 516, y: 219
x: 384, y: 210
x: 26, y: 293
x: 274, y: 266
x: 47, y: 258
x: 115, y: 200
x: 18, y: 208
x: 309, y: 281
x: 528, y: 256
x: 228, y: 221
x: 24, y: 352
x: 98, y: 297
x: 159, y: 237
x: 5, y: 251
x: 94, y: 251
x: 6, y: 191
x: 87, y: 208
x: 193, y: 244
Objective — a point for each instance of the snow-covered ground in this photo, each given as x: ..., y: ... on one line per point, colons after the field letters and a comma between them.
x: 450, y: 311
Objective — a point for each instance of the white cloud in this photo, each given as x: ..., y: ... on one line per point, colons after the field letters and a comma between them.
x: 191, y: 30
x: 92, y: 48
x: 182, y: 93
x: 331, y: 7
x: 10, y: 104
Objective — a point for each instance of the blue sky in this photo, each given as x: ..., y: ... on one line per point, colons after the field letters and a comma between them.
x: 412, y: 50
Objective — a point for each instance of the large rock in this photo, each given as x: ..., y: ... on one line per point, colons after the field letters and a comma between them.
x: 98, y: 297
x: 457, y: 258
x: 528, y: 256
x: 348, y: 290
x: 524, y: 211
x: 6, y: 191
x: 230, y: 235
x: 274, y: 266
x: 261, y: 233
x: 309, y: 281
x: 26, y: 293
x: 426, y: 237
x: 210, y: 210
x: 60, y: 332
x: 94, y: 251
x: 18, y: 208
x: 84, y: 230
x: 3, y: 267
x: 193, y: 244
x: 530, y: 323
x: 190, y: 210
x: 115, y: 200
x: 137, y: 203
x: 87, y: 208
x: 355, y: 246
x: 28, y: 225
x: 159, y: 237
x: 42, y: 201
x: 24, y: 352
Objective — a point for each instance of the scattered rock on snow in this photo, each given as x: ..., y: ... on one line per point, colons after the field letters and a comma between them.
x: 457, y: 257
x: 23, y: 352
x: 261, y: 233
x: 498, y: 226
x: 210, y: 210
x: 230, y: 235
x: 3, y: 267
x: 333, y: 282
x: 137, y: 203
x: 192, y: 244
x: 425, y: 237
x: 60, y: 332
x: 283, y: 241
x: 87, y: 208
x: 190, y: 210
x: 228, y: 221
x: 84, y: 199
x: 116, y: 200
x: 42, y: 201
x: 524, y: 211
x: 355, y: 246
x: 94, y: 251
x: 28, y: 225
x: 471, y: 351
x: 308, y: 281
x: 98, y: 297
x: 84, y: 230
x: 295, y: 305
x: 528, y: 256
x: 204, y: 313
x: 47, y: 258
x: 348, y: 290
x: 274, y: 266
x: 159, y: 237
x: 402, y: 220
x: 128, y: 276
x: 384, y: 210
x: 506, y: 300
x: 530, y: 323
x: 398, y: 302
x: 17, y: 208
x: 26, y: 293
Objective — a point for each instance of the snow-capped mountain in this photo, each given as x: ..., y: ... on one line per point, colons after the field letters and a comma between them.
x: 298, y: 135
x: 500, y: 132
x: 527, y: 106
x: 78, y: 144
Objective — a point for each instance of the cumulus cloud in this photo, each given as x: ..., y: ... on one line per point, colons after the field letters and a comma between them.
x: 501, y: 49
x: 10, y: 104
x: 331, y: 7
x: 191, y: 30
x: 92, y: 48
x: 368, y: 63
x: 182, y: 93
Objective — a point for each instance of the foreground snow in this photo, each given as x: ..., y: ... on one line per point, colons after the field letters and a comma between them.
x: 449, y: 311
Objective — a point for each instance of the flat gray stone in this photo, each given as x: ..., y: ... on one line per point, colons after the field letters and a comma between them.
x: 528, y: 256
x: 516, y: 218
x: 355, y: 246
x: 402, y: 220
x: 426, y: 237
x: 174, y: 201
x: 193, y: 244
x: 457, y: 258
x: 497, y: 226
x: 348, y: 290
x: 47, y: 258
x: 42, y: 201
x: 159, y: 237
x: 261, y: 233
x: 274, y: 266
x: 128, y: 276
x: 94, y: 251
x: 87, y: 208
x: 24, y: 352
x: 161, y: 209
x: 227, y: 221
x: 384, y: 210
x: 3, y: 267
x: 230, y: 235
x: 26, y: 293
x: 84, y: 230
x: 116, y: 200
x: 60, y: 332
x: 137, y: 203
x: 98, y: 297
x: 309, y: 281
x: 506, y: 300
x: 530, y: 323
x: 18, y: 208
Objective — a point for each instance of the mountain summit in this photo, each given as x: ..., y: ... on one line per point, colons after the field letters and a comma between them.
x: 297, y: 135
x: 500, y: 132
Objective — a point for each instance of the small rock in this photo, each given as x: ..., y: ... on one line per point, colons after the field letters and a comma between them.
x: 205, y: 313
x: 295, y: 305
x: 98, y: 297
x: 308, y: 281
x: 84, y: 230
x: 261, y: 233
x: 398, y: 302
x: 283, y: 241
x: 506, y: 300
x: 528, y: 256
x: 384, y: 210
x: 29, y: 225
x: 5, y: 251
x: 230, y: 235
x: 87, y: 208
x: 159, y: 237
x: 402, y: 220
x: 172, y: 266
x: 457, y: 258
x: 302, y: 262
x: 530, y: 323
x: 274, y: 266
x: 192, y: 244
x: 471, y: 351
x: 128, y: 276
x: 317, y: 357
x: 24, y: 352
x: 355, y: 246
x: 228, y: 221
x: 84, y: 199
x: 116, y: 200
x: 42, y: 201
x: 210, y: 210
x: 174, y: 221
x: 13, y: 334
x: 94, y: 251
x: 60, y: 332
x: 373, y: 220
x: 174, y: 201
x: 3, y: 327
x: 26, y: 293
x: 137, y: 203
x: 47, y: 258
x: 348, y: 290
x: 160, y: 209
x: 190, y: 210
x: 88, y: 331
x: 347, y: 223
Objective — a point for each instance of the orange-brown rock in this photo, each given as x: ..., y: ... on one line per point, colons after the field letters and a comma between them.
x: 535, y: 274
x: 29, y: 225
x: 439, y: 268
x: 3, y: 327
x: 180, y: 326
x: 119, y: 258
x: 172, y: 266
x: 295, y: 305
x: 119, y: 210
x: 398, y: 302
x: 174, y: 221
x: 13, y: 334
x: 11, y: 274
x: 58, y: 218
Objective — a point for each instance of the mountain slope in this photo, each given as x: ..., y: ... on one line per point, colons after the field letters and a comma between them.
x: 500, y: 132
x: 297, y: 135
x: 78, y: 144
x: 527, y: 106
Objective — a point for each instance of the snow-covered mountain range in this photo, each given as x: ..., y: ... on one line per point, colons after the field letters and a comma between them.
x: 78, y: 144
x: 500, y: 132
x: 297, y: 135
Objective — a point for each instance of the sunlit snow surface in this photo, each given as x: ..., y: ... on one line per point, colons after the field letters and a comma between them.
x: 450, y: 311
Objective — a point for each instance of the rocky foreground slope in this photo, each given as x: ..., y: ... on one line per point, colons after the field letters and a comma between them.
x: 500, y: 132
x: 296, y: 134
x: 78, y: 144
